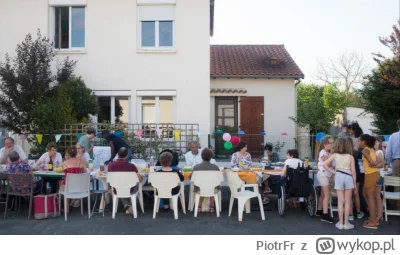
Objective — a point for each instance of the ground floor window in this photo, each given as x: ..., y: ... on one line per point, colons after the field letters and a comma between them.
x: 157, y: 109
x: 113, y: 109
x: 226, y: 111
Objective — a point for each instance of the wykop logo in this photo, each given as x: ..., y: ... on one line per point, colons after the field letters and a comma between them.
x: 325, y: 245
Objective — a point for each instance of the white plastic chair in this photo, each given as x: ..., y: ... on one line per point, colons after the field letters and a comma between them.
x: 163, y: 184
x: 77, y: 186
x: 243, y: 196
x: 395, y: 182
x: 122, y: 182
x: 207, y: 181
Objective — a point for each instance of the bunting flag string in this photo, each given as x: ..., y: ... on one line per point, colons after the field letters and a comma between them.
x: 39, y: 138
x: 177, y: 134
x: 139, y: 133
x: 58, y: 137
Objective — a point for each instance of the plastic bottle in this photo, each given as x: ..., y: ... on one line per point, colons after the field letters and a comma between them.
x: 91, y: 165
x: 306, y: 162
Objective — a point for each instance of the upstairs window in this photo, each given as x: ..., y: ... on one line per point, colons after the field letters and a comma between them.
x: 157, y: 34
x: 69, y: 27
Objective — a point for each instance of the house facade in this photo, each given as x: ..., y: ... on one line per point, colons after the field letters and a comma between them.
x: 150, y: 61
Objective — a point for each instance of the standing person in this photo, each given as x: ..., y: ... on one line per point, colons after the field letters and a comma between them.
x: 345, y: 131
x: 356, y: 196
x: 393, y: 152
x: 345, y: 179
x: 324, y: 178
x: 381, y: 158
x: 85, y: 140
x: 120, y: 165
x: 9, y: 146
x: 372, y: 176
x: 355, y: 132
x: 116, y: 143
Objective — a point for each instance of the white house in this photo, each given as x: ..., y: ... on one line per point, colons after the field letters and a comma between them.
x: 153, y: 58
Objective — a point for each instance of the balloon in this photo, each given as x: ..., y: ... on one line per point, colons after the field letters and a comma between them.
x: 228, y: 146
x: 226, y: 137
x: 235, y: 140
x: 240, y: 132
x: 219, y: 131
x: 284, y: 133
x: 319, y: 136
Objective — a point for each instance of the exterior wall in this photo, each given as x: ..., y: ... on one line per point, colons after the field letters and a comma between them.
x: 279, y: 101
x: 111, y: 61
x: 364, y: 120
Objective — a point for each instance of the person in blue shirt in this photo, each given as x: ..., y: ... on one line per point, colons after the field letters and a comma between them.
x: 116, y: 143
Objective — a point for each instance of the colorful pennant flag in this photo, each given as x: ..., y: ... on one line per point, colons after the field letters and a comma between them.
x: 139, y: 133
x: 39, y: 138
x: 177, y: 134
x: 58, y: 137
x: 240, y: 132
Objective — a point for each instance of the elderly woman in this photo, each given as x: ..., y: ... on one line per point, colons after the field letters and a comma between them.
x: 82, y: 154
x: 241, y: 159
x: 165, y: 160
x: 73, y: 165
x: 16, y: 166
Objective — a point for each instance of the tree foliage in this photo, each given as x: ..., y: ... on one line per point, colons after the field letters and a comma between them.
x: 317, y: 106
x: 25, y: 79
x: 381, y: 91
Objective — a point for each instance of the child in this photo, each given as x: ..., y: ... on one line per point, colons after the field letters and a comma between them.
x: 372, y: 176
x: 324, y: 177
x: 345, y: 179
x: 345, y: 131
x: 380, y: 156
x: 356, y: 197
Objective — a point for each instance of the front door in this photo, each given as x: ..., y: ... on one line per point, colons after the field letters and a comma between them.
x: 252, y: 123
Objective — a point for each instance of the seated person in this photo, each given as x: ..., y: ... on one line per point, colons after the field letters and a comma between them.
x: 206, y: 155
x: 166, y: 160
x: 20, y: 167
x: 42, y: 164
x: 73, y: 165
x: 292, y: 161
x: 175, y: 159
x: 269, y: 156
x: 82, y: 154
x: 120, y: 165
x: 193, y: 157
x: 9, y: 147
x: 241, y: 158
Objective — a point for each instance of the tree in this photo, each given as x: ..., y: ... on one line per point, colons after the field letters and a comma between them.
x: 381, y: 91
x: 347, y: 70
x: 25, y: 79
x: 317, y: 106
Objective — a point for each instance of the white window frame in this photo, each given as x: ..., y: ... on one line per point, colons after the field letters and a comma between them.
x: 113, y: 94
x: 157, y: 47
x: 52, y: 29
x: 157, y: 107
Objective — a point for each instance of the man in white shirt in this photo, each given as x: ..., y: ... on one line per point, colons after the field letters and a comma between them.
x: 193, y: 157
x: 9, y: 147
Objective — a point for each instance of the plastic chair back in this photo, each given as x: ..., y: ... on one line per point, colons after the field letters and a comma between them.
x: 122, y: 182
x: 234, y: 182
x: 77, y: 183
x: 207, y: 181
x: 164, y: 183
x: 391, y: 181
x: 20, y: 183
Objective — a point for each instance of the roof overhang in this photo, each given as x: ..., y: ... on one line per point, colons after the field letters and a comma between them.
x: 260, y: 76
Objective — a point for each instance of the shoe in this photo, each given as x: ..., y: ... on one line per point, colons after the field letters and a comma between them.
x: 319, y: 213
x: 348, y: 226
x: 265, y: 200
x: 76, y: 203
x: 327, y: 218
x: 371, y: 225
x: 339, y: 225
x: 360, y: 215
x: 351, y: 217
x: 128, y: 209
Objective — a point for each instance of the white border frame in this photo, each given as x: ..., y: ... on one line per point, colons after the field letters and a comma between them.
x: 156, y: 48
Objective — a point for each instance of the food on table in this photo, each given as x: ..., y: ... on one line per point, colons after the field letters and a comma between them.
x: 58, y: 170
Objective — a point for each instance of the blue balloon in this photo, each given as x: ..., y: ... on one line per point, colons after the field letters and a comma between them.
x: 219, y: 131
x: 386, y: 137
x: 320, y: 135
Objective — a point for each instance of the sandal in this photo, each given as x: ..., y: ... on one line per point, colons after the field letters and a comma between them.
x: 371, y: 225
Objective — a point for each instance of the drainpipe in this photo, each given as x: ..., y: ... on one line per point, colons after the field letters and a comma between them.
x: 295, y: 101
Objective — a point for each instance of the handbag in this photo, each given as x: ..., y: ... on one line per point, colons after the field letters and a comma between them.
x: 46, y: 206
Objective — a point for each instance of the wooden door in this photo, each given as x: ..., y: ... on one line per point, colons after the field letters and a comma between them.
x: 252, y: 123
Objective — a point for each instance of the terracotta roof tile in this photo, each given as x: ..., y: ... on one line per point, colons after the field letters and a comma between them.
x: 253, y: 61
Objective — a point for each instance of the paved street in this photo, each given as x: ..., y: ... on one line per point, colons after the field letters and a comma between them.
x: 294, y: 222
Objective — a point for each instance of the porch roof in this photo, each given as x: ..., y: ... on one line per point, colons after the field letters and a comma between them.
x: 253, y: 61
x: 228, y: 91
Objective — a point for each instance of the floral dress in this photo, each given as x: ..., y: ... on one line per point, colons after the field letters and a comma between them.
x: 241, y: 161
x: 19, y: 168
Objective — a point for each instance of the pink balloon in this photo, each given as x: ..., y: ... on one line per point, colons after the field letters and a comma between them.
x: 235, y: 140
x: 226, y: 137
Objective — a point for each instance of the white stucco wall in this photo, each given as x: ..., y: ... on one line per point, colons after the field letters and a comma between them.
x: 363, y: 119
x: 111, y: 61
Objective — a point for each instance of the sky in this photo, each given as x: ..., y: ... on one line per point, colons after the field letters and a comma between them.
x: 309, y: 29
